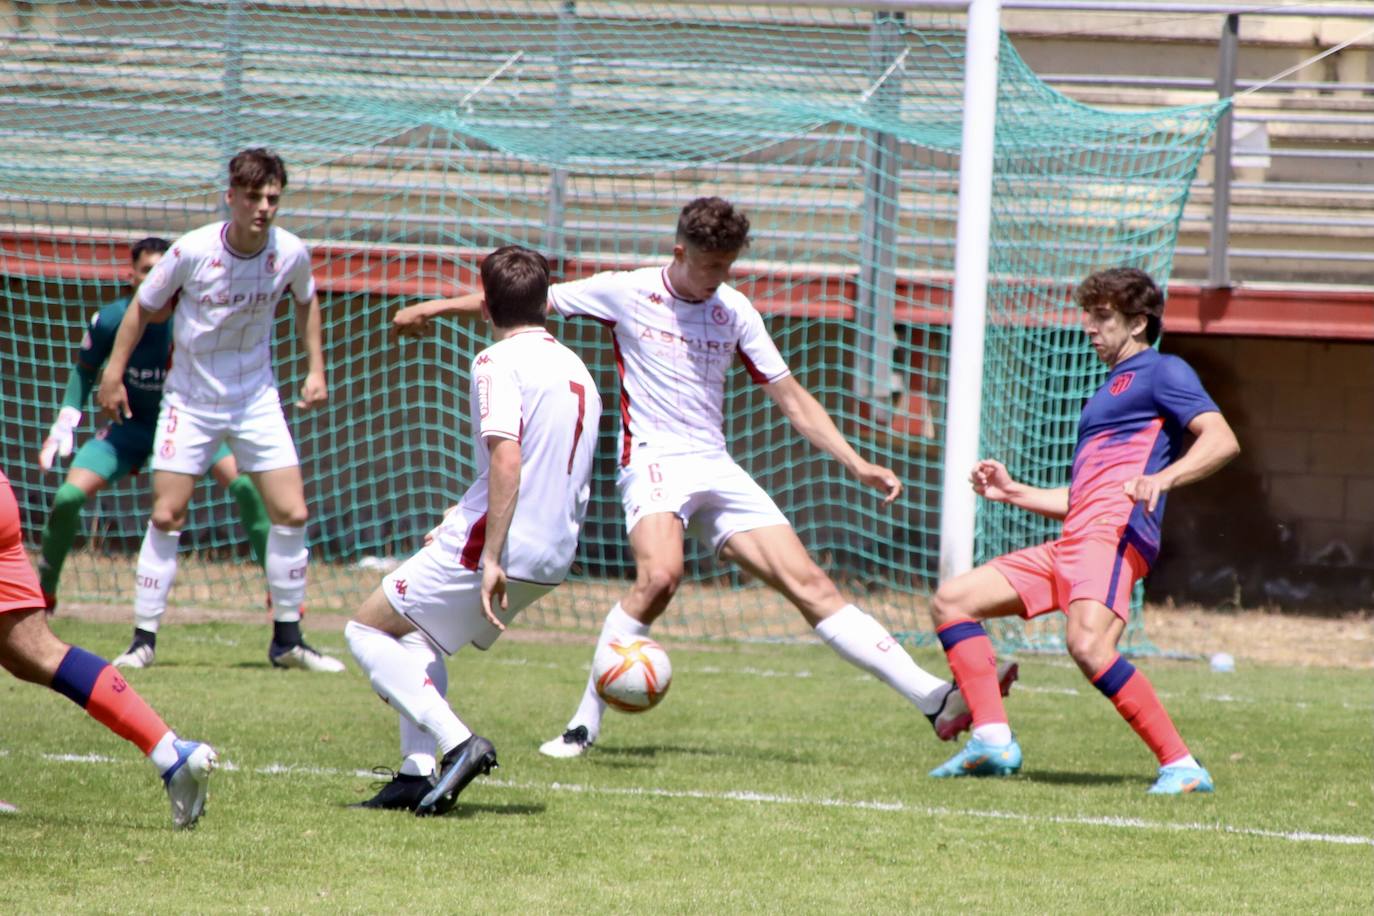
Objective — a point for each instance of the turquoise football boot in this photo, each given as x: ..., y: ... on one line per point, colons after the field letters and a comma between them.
x: 979, y: 759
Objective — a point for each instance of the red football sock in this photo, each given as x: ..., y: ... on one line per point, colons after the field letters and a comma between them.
x: 117, y: 706
x: 974, y: 665
x: 1134, y: 697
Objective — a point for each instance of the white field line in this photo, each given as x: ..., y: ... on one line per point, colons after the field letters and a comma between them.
x: 1021, y: 685
x: 765, y: 798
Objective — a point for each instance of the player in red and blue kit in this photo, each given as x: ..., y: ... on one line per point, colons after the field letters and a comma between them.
x: 1131, y: 452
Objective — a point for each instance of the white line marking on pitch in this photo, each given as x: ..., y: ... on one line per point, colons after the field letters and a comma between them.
x: 1293, y: 836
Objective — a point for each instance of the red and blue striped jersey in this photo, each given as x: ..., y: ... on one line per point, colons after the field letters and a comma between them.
x: 1136, y: 423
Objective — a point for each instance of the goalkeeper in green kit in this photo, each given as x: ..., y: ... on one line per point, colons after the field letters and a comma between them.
x: 120, y: 449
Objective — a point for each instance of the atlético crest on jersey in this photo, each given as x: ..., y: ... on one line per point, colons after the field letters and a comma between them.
x: 1121, y: 383
x: 271, y: 262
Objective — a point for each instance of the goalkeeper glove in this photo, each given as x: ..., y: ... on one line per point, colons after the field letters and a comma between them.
x: 60, y: 437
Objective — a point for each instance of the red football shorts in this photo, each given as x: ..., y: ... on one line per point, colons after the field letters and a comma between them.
x: 1099, y: 565
x: 18, y: 582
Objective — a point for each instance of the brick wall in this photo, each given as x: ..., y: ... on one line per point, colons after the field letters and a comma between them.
x: 1291, y: 521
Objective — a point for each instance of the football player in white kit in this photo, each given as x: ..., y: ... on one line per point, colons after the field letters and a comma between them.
x: 677, y: 330
x: 225, y: 281
x: 508, y: 541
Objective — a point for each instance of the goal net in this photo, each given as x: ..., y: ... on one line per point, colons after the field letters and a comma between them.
x: 420, y: 134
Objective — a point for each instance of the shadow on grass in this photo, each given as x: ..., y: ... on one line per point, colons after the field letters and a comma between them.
x: 463, y: 811
x: 1058, y: 778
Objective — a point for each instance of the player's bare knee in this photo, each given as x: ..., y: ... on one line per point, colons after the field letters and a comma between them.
x: 168, y: 517
x: 291, y: 517
x: 948, y: 603
x: 1090, y: 650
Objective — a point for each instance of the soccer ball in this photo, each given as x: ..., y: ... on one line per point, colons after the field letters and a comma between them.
x: 632, y: 673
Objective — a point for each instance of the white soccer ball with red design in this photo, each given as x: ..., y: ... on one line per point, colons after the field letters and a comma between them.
x: 632, y: 673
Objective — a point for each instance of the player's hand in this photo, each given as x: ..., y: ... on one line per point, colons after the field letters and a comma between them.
x: 493, y: 591
x: 411, y: 321
x: 61, y: 437
x: 314, y: 391
x: 990, y: 480
x: 1146, y: 488
x: 881, y: 479
x: 113, y: 399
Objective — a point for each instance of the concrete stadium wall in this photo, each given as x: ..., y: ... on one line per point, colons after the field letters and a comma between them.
x: 1290, y: 523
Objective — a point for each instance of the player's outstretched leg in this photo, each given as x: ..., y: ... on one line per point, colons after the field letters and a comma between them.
x: 1135, y: 699
x: 31, y: 652
x: 287, y: 558
x: 862, y: 641
x: 585, y: 726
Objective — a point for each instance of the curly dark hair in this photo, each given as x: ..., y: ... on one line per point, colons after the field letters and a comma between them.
x: 515, y: 283
x: 1128, y: 290
x: 713, y: 224
x: 253, y: 168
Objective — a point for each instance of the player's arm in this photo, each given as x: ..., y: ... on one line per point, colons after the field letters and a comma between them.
x: 112, y: 397
x: 314, y: 391
x: 811, y: 420
x: 990, y: 480
x: 61, y: 436
x: 503, y: 491
x: 1214, y: 446
x: 413, y: 320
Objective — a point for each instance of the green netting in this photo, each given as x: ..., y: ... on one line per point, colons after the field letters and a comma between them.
x: 419, y: 135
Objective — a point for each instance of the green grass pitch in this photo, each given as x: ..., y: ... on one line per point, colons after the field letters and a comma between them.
x: 774, y: 778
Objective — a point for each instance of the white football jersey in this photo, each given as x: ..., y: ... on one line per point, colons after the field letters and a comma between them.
x: 672, y: 354
x: 534, y: 390
x: 225, y: 307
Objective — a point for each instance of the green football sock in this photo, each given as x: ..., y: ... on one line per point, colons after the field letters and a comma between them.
x: 58, y: 534
x: 252, y: 514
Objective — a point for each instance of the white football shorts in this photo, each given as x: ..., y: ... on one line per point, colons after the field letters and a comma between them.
x: 444, y: 598
x: 715, y: 498
x: 188, y: 436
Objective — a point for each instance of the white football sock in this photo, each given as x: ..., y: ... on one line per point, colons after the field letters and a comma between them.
x: 1187, y: 760
x: 417, y: 748
x: 592, y: 707
x: 404, y: 684
x: 995, y: 734
x: 866, y: 643
x: 164, y: 753
x: 287, y: 558
x: 157, y: 567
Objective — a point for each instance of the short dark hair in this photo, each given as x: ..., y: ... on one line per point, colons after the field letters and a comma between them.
x: 1127, y: 290
x: 151, y: 245
x: 515, y: 284
x: 255, y: 167
x: 713, y: 224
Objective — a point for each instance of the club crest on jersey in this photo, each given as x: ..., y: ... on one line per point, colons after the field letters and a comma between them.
x: 655, y: 298
x: 719, y: 315
x: 271, y: 263
x: 1121, y: 383
x: 483, y: 395
x: 216, y: 263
